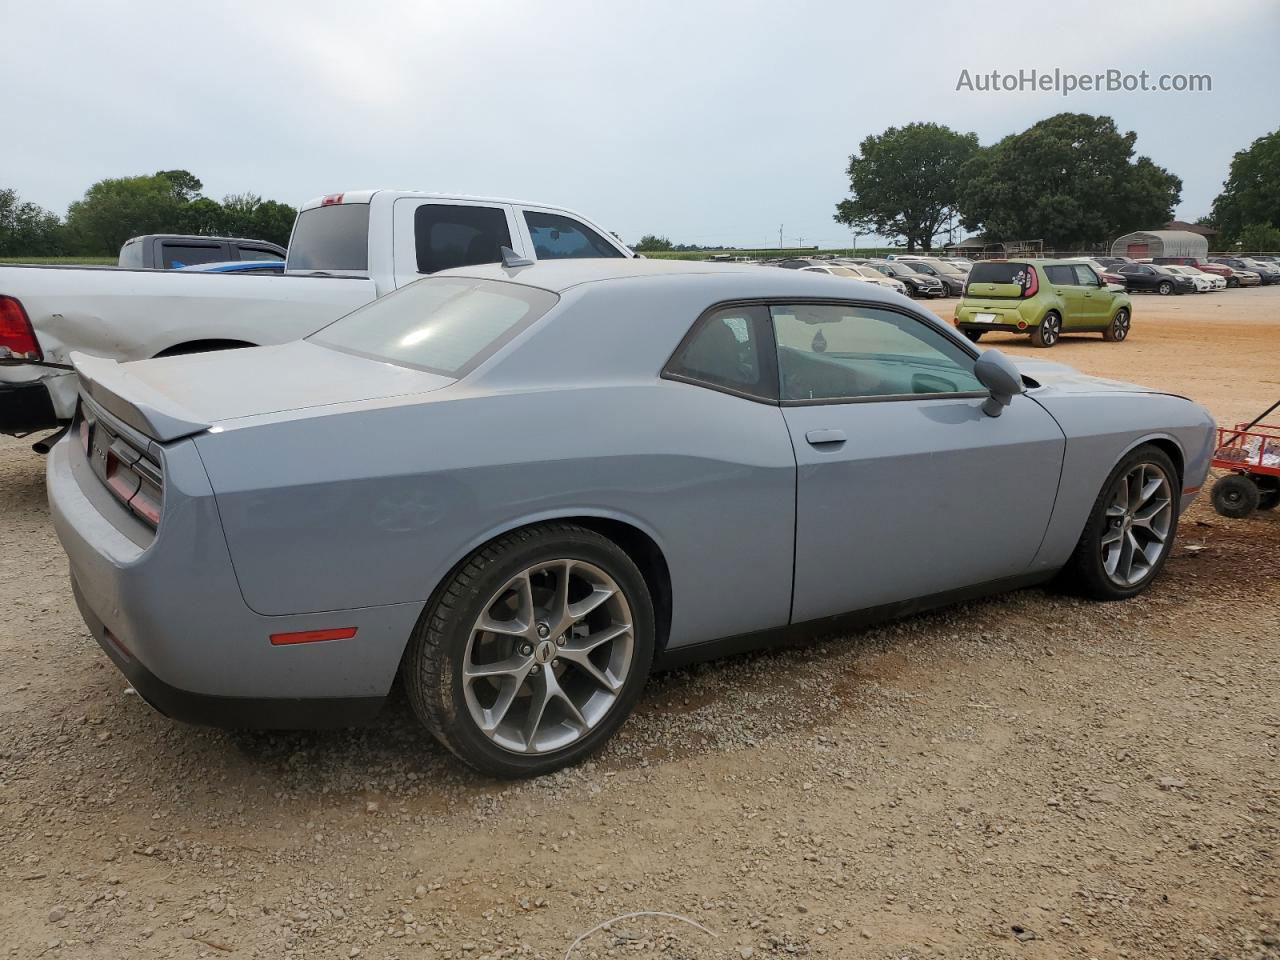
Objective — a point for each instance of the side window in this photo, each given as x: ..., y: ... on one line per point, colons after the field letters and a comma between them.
x: 724, y: 350
x: 259, y: 253
x: 1085, y: 276
x: 185, y: 255
x: 829, y: 352
x: 447, y: 235
x: 1060, y: 275
x: 561, y: 238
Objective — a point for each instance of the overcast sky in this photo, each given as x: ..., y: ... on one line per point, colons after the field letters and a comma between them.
x: 704, y: 121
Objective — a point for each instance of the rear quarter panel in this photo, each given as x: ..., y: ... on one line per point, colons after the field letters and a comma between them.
x: 377, y: 505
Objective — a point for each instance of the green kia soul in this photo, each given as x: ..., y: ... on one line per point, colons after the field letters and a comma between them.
x: 1045, y: 298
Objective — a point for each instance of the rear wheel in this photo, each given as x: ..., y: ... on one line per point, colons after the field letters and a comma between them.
x: 534, y: 652
x: 1165, y: 288
x: 1232, y: 282
x: 1236, y: 496
x: 1131, y: 528
x: 973, y: 335
x: 1118, y: 329
x: 1048, y: 331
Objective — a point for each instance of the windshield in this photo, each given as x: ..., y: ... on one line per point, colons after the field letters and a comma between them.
x: 445, y: 325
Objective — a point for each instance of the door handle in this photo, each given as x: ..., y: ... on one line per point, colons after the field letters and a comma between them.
x: 821, y: 437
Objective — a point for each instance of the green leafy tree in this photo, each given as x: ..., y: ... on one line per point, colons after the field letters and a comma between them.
x: 186, y: 185
x: 273, y: 221
x: 1251, y: 193
x: 649, y: 242
x: 27, y: 229
x: 114, y: 210
x: 1259, y: 238
x: 906, y: 182
x: 1068, y: 180
x: 203, y: 217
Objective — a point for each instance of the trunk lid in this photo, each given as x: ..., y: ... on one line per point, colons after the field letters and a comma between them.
x: 173, y: 397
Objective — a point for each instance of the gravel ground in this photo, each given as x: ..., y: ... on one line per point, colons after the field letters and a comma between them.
x: 1028, y: 776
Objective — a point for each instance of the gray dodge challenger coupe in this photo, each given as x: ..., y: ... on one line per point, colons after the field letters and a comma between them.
x: 521, y: 488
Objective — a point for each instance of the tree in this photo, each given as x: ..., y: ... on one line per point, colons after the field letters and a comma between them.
x: 1251, y: 193
x: 26, y: 229
x: 1069, y: 180
x: 114, y: 210
x: 273, y: 221
x: 906, y: 182
x: 650, y: 243
x: 186, y: 185
x: 203, y: 217
x: 1258, y: 237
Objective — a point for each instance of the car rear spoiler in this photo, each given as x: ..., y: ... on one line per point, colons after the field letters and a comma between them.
x: 117, y: 391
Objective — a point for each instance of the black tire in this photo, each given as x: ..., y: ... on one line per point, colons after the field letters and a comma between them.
x: 1165, y: 288
x: 1232, y: 282
x: 432, y: 667
x: 1118, y: 329
x: 973, y: 335
x: 1268, y: 499
x: 1085, y: 568
x: 1236, y: 496
x: 1048, y: 331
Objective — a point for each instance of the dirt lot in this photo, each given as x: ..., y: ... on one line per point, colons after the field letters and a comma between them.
x: 1029, y: 776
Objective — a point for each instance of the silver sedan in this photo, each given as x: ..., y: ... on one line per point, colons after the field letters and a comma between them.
x: 521, y: 489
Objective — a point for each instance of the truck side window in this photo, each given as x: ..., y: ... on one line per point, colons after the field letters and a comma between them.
x: 458, y: 236
x: 560, y: 238
x: 184, y: 255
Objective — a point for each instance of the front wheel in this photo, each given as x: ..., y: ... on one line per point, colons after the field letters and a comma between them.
x: 973, y: 335
x: 534, y: 652
x: 1235, y: 496
x: 1130, y: 529
x: 1048, y: 331
x: 1118, y: 330
x: 1165, y: 288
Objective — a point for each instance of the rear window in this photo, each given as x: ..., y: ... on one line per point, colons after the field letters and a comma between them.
x: 333, y: 237
x: 445, y: 325
x: 999, y: 273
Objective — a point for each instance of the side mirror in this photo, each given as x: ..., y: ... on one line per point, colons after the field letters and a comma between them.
x: 997, y: 373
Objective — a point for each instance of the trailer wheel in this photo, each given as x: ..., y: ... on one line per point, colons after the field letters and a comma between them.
x: 1235, y: 496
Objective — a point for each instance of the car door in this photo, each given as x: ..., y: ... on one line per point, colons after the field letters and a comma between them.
x: 431, y: 234
x: 1061, y: 281
x: 905, y: 488
x: 1095, y: 298
x: 1137, y: 276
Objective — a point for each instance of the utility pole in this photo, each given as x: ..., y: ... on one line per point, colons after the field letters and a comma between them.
x: 779, y: 238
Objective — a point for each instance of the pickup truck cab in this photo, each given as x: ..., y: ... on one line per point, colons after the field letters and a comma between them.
x: 171, y: 251
x: 346, y: 250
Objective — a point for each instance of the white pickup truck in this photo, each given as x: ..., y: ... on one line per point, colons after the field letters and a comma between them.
x: 346, y: 250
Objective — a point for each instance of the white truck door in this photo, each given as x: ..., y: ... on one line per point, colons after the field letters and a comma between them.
x: 431, y: 234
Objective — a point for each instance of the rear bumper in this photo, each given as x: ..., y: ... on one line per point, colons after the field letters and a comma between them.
x: 26, y: 408
x: 170, y: 615
x: 232, y: 712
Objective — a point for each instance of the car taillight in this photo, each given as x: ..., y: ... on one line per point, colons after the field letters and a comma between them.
x: 132, y: 478
x: 1033, y: 283
x: 16, y: 332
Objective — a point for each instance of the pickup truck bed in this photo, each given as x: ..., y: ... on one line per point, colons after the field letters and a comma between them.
x: 175, y: 311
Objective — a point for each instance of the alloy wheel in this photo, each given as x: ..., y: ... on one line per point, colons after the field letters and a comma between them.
x: 1120, y: 325
x: 548, y: 656
x: 1050, y: 329
x: 1139, y: 518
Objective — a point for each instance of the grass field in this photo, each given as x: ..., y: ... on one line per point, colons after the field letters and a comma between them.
x: 83, y: 261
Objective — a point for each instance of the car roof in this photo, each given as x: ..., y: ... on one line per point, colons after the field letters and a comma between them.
x: 727, y: 280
